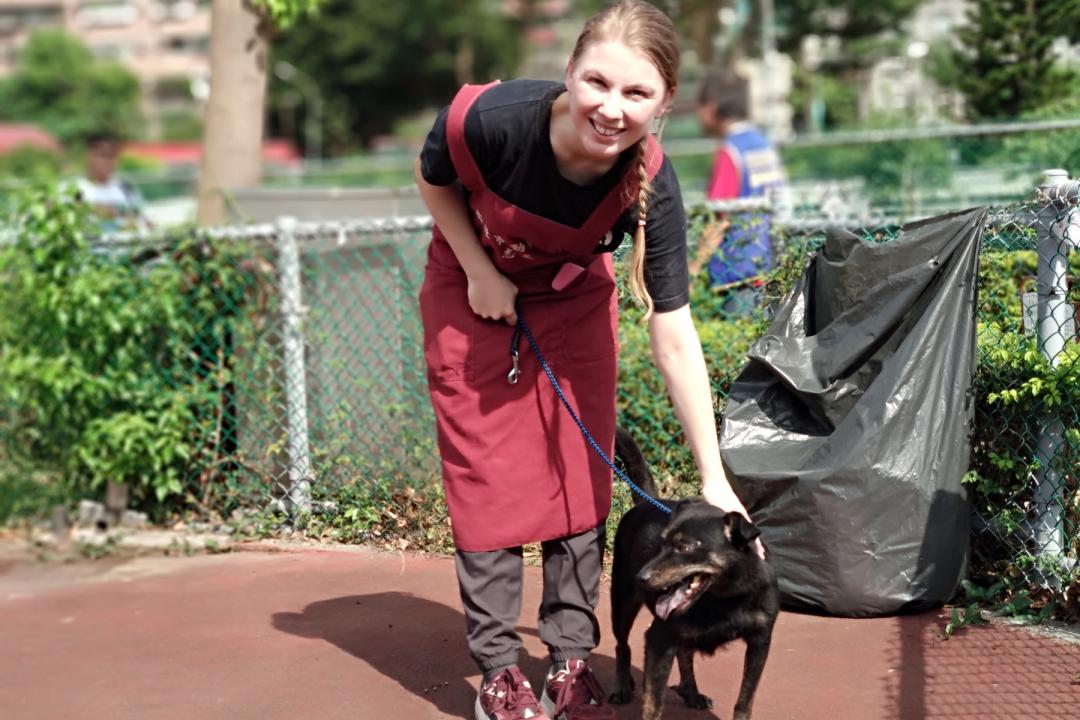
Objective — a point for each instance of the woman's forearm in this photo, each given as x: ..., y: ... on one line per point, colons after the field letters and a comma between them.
x: 678, y: 355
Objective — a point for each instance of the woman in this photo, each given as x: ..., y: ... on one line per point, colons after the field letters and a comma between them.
x: 532, y: 185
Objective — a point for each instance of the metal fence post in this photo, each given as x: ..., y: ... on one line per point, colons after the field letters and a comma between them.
x: 1057, y: 228
x: 292, y: 312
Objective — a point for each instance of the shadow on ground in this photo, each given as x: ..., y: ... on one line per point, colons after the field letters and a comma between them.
x: 420, y: 644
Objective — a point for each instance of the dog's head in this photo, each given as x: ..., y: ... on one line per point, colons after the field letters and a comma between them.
x: 700, y: 545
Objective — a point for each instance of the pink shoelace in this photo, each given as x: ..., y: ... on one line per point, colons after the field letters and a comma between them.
x: 510, y: 697
x: 580, y: 696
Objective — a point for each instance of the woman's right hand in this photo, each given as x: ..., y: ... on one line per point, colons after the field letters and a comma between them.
x: 492, y: 296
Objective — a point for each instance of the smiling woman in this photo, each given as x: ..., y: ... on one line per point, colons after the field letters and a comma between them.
x: 533, y: 185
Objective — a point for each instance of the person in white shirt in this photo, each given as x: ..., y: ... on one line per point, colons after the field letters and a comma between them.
x: 116, y: 202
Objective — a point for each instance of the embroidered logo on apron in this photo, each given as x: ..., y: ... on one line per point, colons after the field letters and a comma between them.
x: 508, y: 249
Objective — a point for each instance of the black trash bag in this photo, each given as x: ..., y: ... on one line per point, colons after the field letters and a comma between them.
x: 848, y: 431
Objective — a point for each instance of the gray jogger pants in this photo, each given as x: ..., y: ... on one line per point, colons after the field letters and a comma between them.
x: 490, y: 584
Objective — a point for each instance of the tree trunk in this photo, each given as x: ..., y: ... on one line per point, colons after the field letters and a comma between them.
x: 232, y: 140
x: 703, y: 31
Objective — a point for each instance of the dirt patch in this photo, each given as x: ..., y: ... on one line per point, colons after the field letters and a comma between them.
x: 27, y: 570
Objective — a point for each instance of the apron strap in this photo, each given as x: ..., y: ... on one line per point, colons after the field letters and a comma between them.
x: 463, y: 160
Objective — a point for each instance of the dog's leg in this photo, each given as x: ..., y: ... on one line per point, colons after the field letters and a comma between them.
x: 659, y: 657
x: 687, y: 687
x: 625, y: 605
x: 757, y: 650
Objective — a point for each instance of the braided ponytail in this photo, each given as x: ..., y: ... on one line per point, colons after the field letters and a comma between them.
x: 637, y: 256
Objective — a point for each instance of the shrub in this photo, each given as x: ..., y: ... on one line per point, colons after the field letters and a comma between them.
x: 107, y: 363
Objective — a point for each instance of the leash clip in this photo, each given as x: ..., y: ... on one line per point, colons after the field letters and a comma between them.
x: 515, y: 340
x: 515, y: 373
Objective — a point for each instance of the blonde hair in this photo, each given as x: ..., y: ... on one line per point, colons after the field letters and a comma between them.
x: 640, y: 26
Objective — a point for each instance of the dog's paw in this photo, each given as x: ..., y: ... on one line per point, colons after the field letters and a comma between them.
x: 622, y: 695
x: 693, y: 698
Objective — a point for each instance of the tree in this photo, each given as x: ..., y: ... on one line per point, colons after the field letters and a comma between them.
x: 853, y: 36
x: 1048, y: 149
x: 377, y: 61
x: 1004, y: 65
x: 858, y: 24
x: 240, y: 32
x: 62, y: 87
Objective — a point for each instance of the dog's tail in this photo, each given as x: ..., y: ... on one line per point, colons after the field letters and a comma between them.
x: 633, y: 463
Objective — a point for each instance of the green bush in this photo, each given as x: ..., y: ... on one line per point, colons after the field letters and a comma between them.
x: 108, y: 369
x: 28, y: 163
x: 1017, y: 390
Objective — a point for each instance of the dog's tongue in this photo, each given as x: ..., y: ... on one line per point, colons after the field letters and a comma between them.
x: 667, y: 604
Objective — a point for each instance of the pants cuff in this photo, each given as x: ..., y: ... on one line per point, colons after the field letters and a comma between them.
x: 498, y: 662
x: 563, y: 654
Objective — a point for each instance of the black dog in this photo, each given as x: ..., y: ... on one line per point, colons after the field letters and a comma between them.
x: 698, y: 573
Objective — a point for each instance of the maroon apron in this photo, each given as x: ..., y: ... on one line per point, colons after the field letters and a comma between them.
x: 516, y: 468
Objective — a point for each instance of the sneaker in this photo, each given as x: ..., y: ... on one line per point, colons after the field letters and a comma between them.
x: 573, y: 693
x: 508, y: 696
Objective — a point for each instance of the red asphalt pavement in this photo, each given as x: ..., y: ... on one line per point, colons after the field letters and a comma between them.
x: 363, y: 634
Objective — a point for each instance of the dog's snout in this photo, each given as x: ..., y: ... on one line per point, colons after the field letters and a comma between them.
x: 645, y: 575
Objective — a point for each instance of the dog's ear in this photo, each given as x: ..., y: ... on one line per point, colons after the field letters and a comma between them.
x: 740, y: 531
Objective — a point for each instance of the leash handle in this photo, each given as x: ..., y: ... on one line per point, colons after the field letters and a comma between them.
x: 522, y: 327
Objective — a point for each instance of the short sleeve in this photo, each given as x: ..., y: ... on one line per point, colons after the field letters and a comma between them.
x: 667, y: 274
x: 485, y: 144
x: 435, y: 163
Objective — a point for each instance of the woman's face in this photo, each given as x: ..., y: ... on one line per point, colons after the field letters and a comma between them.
x: 615, y: 93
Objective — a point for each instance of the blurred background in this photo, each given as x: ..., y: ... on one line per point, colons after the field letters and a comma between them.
x: 903, y: 107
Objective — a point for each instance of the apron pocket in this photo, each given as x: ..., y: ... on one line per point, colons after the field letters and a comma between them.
x: 449, y: 330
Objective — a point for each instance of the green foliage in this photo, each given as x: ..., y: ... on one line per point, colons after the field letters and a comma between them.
x: 181, y: 125
x: 890, y: 170
x: 28, y: 163
x: 859, y: 25
x: 26, y: 495
x: 1005, y: 598
x: 1004, y: 62
x: 643, y: 403
x: 131, y: 163
x: 377, y: 61
x: 285, y: 13
x: 1016, y: 388
x: 62, y: 87
x: 110, y: 368
x: 1053, y: 149
x: 822, y: 99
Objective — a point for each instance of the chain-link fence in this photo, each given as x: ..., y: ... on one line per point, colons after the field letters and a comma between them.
x: 280, y: 366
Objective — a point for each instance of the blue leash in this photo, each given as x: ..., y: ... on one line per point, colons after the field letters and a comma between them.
x: 515, y: 373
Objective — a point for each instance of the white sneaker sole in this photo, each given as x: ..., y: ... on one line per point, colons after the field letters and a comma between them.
x: 547, y: 705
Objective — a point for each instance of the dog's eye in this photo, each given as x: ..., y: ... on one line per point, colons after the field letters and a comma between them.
x: 687, y: 545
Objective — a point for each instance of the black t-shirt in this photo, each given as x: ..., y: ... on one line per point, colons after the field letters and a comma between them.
x: 506, y: 130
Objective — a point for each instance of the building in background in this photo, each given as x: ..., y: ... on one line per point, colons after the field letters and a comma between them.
x: 165, y: 43
x: 901, y: 85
